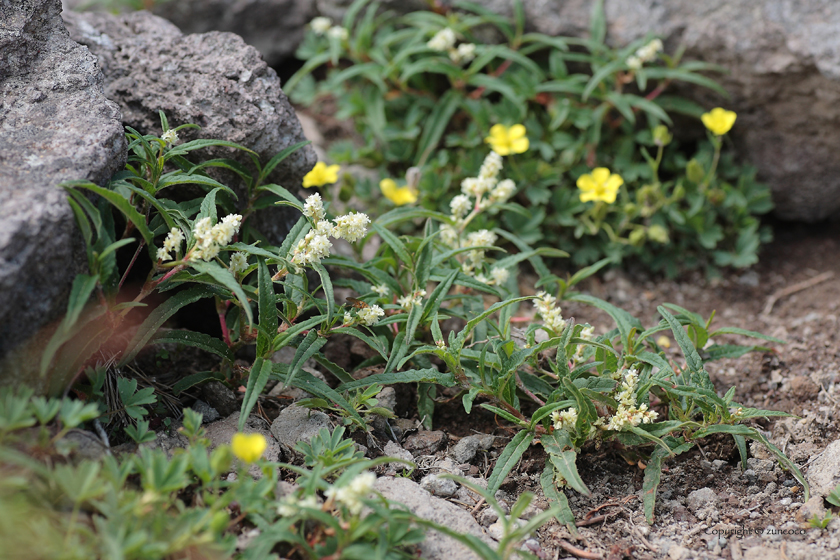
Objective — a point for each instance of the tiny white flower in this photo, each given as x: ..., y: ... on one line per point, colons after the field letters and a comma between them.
x: 238, y: 262
x: 320, y: 25
x: 382, y: 290
x: 163, y: 255
x: 500, y: 275
x: 503, y: 191
x: 370, y: 315
x: 170, y: 137
x: 464, y: 53
x: 443, y: 40
x: 351, y: 227
x: 634, y: 62
x: 348, y: 318
x: 491, y: 166
x: 338, y: 32
x: 461, y: 205
x: 313, y: 208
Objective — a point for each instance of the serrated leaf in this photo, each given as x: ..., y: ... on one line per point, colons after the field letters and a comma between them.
x: 565, y: 464
x: 428, y: 375
x: 257, y: 379
x: 553, y: 494
x: 508, y: 459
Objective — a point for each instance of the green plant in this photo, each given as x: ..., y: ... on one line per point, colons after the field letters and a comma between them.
x: 425, y: 90
x: 833, y: 497
x: 821, y: 522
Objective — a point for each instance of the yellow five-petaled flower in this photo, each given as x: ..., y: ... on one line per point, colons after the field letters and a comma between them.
x: 248, y: 447
x: 508, y: 140
x: 719, y: 120
x: 321, y: 175
x: 397, y: 195
x: 600, y: 185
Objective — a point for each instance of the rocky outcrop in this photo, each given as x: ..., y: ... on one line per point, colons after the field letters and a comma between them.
x: 211, y: 79
x: 55, y: 125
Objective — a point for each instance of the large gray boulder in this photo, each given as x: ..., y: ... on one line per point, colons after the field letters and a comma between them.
x: 274, y: 27
x: 55, y: 125
x: 211, y: 79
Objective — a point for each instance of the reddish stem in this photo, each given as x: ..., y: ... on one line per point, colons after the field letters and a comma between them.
x: 131, y: 264
x: 498, y: 72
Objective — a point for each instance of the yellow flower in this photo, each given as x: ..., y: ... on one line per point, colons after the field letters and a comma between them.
x: 321, y: 175
x: 506, y: 141
x: 248, y: 447
x: 664, y: 341
x: 600, y: 185
x: 397, y: 195
x: 718, y: 120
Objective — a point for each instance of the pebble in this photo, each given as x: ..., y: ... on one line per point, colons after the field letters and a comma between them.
x: 465, y: 450
x: 437, y: 486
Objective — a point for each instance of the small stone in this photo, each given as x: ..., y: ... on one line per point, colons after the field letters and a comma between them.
x: 717, y: 465
x: 487, y: 516
x: 208, y: 413
x: 803, y: 387
x: 465, y: 450
x: 702, y: 498
x: 296, y: 423
x: 219, y: 396
x: 437, y: 486
x: 425, y: 443
x: 785, y: 501
x: 394, y: 450
x: 824, y: 472
x: 387, y: 398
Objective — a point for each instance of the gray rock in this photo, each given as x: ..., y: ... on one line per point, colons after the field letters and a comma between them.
x: 465, y: 450
x: 55, y: 125
x: 423, y: 504
x: 394, y: 450
x: 824, y: 473
x: 702, y: 498
x: 443, y: 487
x: 296, y: 423
x: 274, y: 27
x: 211, y: 79
x: 425, y: 443
x: 208, y: 413
x: 221, y: 432
x: 219, y: 396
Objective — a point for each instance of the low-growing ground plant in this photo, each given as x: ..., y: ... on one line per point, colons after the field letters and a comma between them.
x: 584, y: 125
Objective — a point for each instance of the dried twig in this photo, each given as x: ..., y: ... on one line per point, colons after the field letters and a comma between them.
x: 798, y: 287
x: 578, y: 552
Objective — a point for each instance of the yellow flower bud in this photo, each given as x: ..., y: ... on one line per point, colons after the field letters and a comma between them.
x: 657, y: 233
x: 661, y: 135
x: 248, y: 447
x: 694, y: 171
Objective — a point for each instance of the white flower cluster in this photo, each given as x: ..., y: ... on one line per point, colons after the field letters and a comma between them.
x: 290, y: 506
x: 350, y: 495
x: 238, y: 262
x: 368, y: 316
x: 316, y: 244
x: 172, y: 244
x: 209, y: 239
x: 410, y: 300
x: 170, y: 137
x: 645, y: 54
x: 324, y: 26
x: 546, y: 305
x: 628, y: 414
x: 586, y: 333
x: 565, y: 419
x: 464, y: 53
x: 444, y: 41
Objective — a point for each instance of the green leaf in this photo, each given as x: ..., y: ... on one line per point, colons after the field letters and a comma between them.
x: 124, y: 206
x: 194, y: 379
x: 279, y: 157
x: 623, y: 320
x: 553, y: 494
x: 436, y: 124
x: 393, y: 242
x: 428, y: 375
x: 313, y: 385
x: 196, y: 339
x: 692, y: 357
x: 267, y: 311
x: 224, y: 277
x: 257, y: 379
x: 753, y: 334
x: 565, y: 464
x: 508, y: 459
x: 504, y: 414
